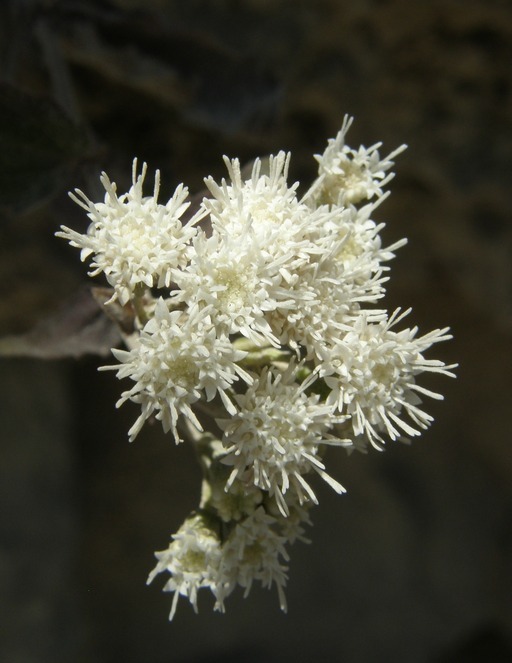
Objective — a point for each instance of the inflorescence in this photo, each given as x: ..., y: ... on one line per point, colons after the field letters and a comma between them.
x: 257, y: 338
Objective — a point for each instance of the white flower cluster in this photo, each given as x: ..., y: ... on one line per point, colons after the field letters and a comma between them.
x: 256, y: 337
x: 254, y: 550
x: 134, y: 240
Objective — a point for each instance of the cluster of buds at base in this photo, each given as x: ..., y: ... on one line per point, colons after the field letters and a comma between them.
x: 256, y: 336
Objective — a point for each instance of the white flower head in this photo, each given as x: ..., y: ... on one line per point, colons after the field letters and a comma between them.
x: 351, y: 176
x: 194, y: 560
x: 263, y: 199
x: 232, y: 279
x: 362, y: 243
x: 265, y: 211
x: 177, y: 359
x: 255, y: 551
x: 133, y: 239
x: 372, y: 373
x: 329, y: 296
x: 273, y: 439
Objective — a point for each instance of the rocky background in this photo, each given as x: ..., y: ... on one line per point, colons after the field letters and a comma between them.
x: 414, y: 564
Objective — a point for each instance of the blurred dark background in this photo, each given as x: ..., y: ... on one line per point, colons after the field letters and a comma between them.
x: 414, y: 564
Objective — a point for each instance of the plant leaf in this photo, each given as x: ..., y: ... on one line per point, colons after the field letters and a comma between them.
x: 79, y: 328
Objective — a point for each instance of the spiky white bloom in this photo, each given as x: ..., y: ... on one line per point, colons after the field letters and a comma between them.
x: 333, y: 286
x: 194, y: 560
x: 330, y: 292
x: 264, y: 199
x: 132, y: 238
x: 178, y: 358
x: 255, y: 551
x: 372, y: 371
x: 265, y: 210
x: 362, y: 243
x: 346, y: 175
x: 274, y: 438
x: 235, y: 281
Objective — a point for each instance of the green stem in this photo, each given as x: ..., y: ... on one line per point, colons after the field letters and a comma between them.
x: 138, y: 304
